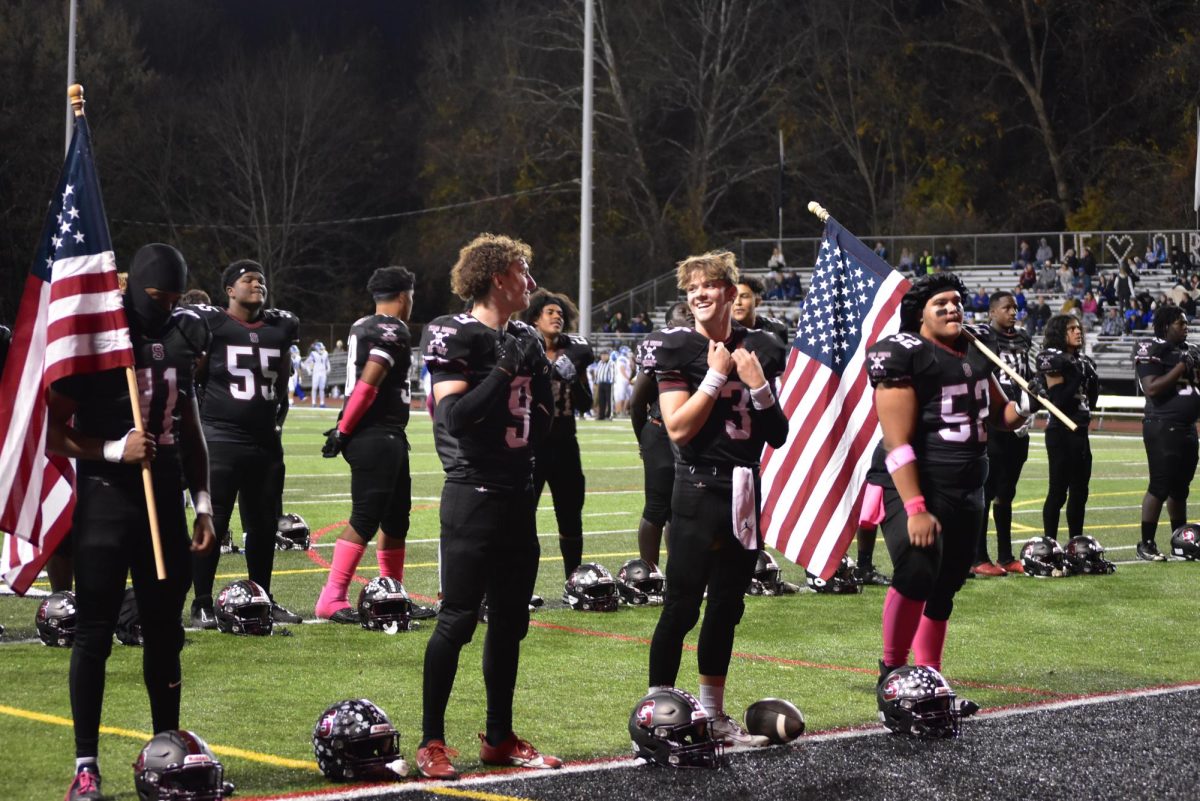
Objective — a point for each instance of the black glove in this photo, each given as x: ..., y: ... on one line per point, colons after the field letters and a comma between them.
x: 509, y: 355
x: 335, y: 441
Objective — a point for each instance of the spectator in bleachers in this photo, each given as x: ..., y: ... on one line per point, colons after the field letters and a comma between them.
x: 1181, y: 263
x: 1019, y: 297
x: 1160, y: 251
x: 980, y: 301
x: 948, y: 258
x: 906, y: 261
x: 776, y: 262
x: 1028, y: 277
x: 1066, y: 278
x: 1113, y: 325
x: 1151, y: 258
x: 792, y: 288
x: 1126, y: 283
x: 926, y: 263
x: 617, y: 324
x: 1039, y: 312
x: 881, y: 251
x: 1091, y: 310
x: 1044, y: 251
x: 639, y: 325
x: 1047, y: 278
x: 1106, y: 292
x: 1024, y: 252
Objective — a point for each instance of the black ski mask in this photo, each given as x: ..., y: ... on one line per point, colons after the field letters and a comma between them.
x: 159, y: 267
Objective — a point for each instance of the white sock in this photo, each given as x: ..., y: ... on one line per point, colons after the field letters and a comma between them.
x: 712, y: 696
x: 81, y: 762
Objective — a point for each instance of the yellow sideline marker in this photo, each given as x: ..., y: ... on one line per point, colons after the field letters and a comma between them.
x: 142, y: 736
x: 454, y: 792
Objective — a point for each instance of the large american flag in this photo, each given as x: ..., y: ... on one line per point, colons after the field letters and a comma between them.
x: 812, y: 486
x: 70, y: 321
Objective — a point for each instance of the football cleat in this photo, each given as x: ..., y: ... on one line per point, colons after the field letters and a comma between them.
x: 1147, y: 551
x: 515, y: 752
x: 281, y: 614
x: 988, y: 569
x: 433, y: 761
x: 203, y: 617
x: 728, y: 731
x: 871, y: 576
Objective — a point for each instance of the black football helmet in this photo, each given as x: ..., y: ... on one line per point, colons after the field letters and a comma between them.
x: 1043, y: 557
x: 129, y: 624
x: 640, y: 582
x: 591, y: 588
x: 843, y: 580
x: 384, y: 602
x: 244, y: 607
x: 1185, y: 542
x: 56, y: 619
x: 354, y: 739
x: 176, y: 765
x: 917, y: 701
x: 670, y: 727
x: 292, y: 532
x: 1084, y: 554
x: 766, y: 579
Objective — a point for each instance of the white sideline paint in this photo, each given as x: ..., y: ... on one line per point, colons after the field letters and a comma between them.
x: 629, y: 762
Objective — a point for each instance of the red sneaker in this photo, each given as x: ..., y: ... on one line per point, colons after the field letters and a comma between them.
x: 1014, y: 566
x: 988, y: 569
x: 433, y: 761
x: 515, y: 751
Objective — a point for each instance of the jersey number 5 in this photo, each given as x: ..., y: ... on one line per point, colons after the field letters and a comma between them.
x: 244, y: 387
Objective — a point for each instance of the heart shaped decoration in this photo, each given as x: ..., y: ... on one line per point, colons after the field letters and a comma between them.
x: 1124, y: 240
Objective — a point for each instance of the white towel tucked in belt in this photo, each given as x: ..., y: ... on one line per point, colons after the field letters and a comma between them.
x: 745, y: 517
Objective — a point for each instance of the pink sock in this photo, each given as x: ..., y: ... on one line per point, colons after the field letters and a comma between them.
x: 391, y: 563
x: 346, y: 556
x: 930, y: 641
x: 901, y: 616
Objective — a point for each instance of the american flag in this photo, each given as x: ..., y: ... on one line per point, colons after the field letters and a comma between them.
x: 71, y: 320
x: 812, y: 486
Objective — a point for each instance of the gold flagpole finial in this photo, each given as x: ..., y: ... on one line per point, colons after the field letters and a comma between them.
x: 819, y: 210
x: 75, y: 95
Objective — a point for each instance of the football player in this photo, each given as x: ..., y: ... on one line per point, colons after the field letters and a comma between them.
x: 1166, y: 369
x: 718, y: 404
x: 934, y: 393
x: 90, y: 420
x: 244, y: 380
x: 317, y: 365
x: 622, y: 359
x: 1073, y: 386
x: 745, y: 310
x: 1007, y: 450
x: 556, y: 458
x: 493, y: 403
x: 370, y: 435
x: 654, y: 446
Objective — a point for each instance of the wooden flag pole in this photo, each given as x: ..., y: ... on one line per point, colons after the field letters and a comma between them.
x: 75, y: 93
x: 823, y: 215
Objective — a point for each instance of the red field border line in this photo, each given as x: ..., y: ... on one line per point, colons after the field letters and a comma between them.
x: 465, y: 786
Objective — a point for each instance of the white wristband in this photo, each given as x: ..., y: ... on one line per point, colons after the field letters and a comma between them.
x: 202, y: 503
x: 712, y: 383
x: 762, y: 397
x: 114, y: 449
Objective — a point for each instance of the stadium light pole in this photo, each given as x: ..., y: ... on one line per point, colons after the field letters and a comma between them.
x: 70, y: 112
x: 585, y: 183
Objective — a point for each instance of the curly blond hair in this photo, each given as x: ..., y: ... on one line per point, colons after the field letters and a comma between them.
x: 481, y: 258
x: 716, y: 265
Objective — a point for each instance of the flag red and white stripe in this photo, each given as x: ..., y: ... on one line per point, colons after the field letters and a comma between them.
x: 812, y: 486
x: 71, y: 320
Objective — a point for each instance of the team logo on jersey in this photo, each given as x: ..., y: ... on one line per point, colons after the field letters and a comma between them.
x: 437, y: 344
x: 648, y: 358
x: 253, y: 337
x: 877, y: 360
x: 387, y: 331
x: 158, y: 352
x: 966, y: 369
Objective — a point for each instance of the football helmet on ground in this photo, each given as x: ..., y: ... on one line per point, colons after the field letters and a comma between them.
x: 591, y: 588
x: 244, y: 607
x: 1185, y: 542
x: 640, y: 582
x: 177, y: 765
x: 56, y: 619
x: 129, y: 625
x: 1043, y: 557
x: 843, y: 580
x: 917, y: 701
x: 354, y: 739
x: 291, y: 532
x: 670, y: 727
x: 1084, y: 554
x: 384, y: 602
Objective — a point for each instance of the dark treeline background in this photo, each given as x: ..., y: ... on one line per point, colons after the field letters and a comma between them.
x: 229, y: 128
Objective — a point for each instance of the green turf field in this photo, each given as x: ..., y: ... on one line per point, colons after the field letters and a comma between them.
x: 1014, y: 640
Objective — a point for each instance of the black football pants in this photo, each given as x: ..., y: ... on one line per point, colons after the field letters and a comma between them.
x: 558, y: 464
x: 658, y: 465
x: 111, y: 539
x: 380, y: 483
x: 489, y: 546
x: 1007, y: 454
x: 252, y: 476
x: 1070, y: 457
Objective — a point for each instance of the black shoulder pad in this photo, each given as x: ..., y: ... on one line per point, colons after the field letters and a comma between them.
x: 672, y: 348
x: 446, y: 341
x: 579, y: 350
x: 285, y: 320
x: 388, y: 330
x: 984, y: 334
x: 771, y: 353
x: 1149, y: 351
x: 194, y: 327
x: 893, y: 359
x: 205, y: 310
x: 1052, y: 360
x: 522, y: 330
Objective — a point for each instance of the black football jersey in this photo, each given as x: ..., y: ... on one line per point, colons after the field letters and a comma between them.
x: 1076, y: 396
x: 773, y: 326
x: 679, y: 357
x: 1015, y: 349
x: 497, y: 451
x: 577, y: 349
x: 953, y: 395
x: 164, y: 367
x: 1177, y: 404
x: 240, y: 397
x: 648, y: 346
x: 385, y: 339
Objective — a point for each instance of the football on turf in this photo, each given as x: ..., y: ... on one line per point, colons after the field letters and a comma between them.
x: 774, y: 718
